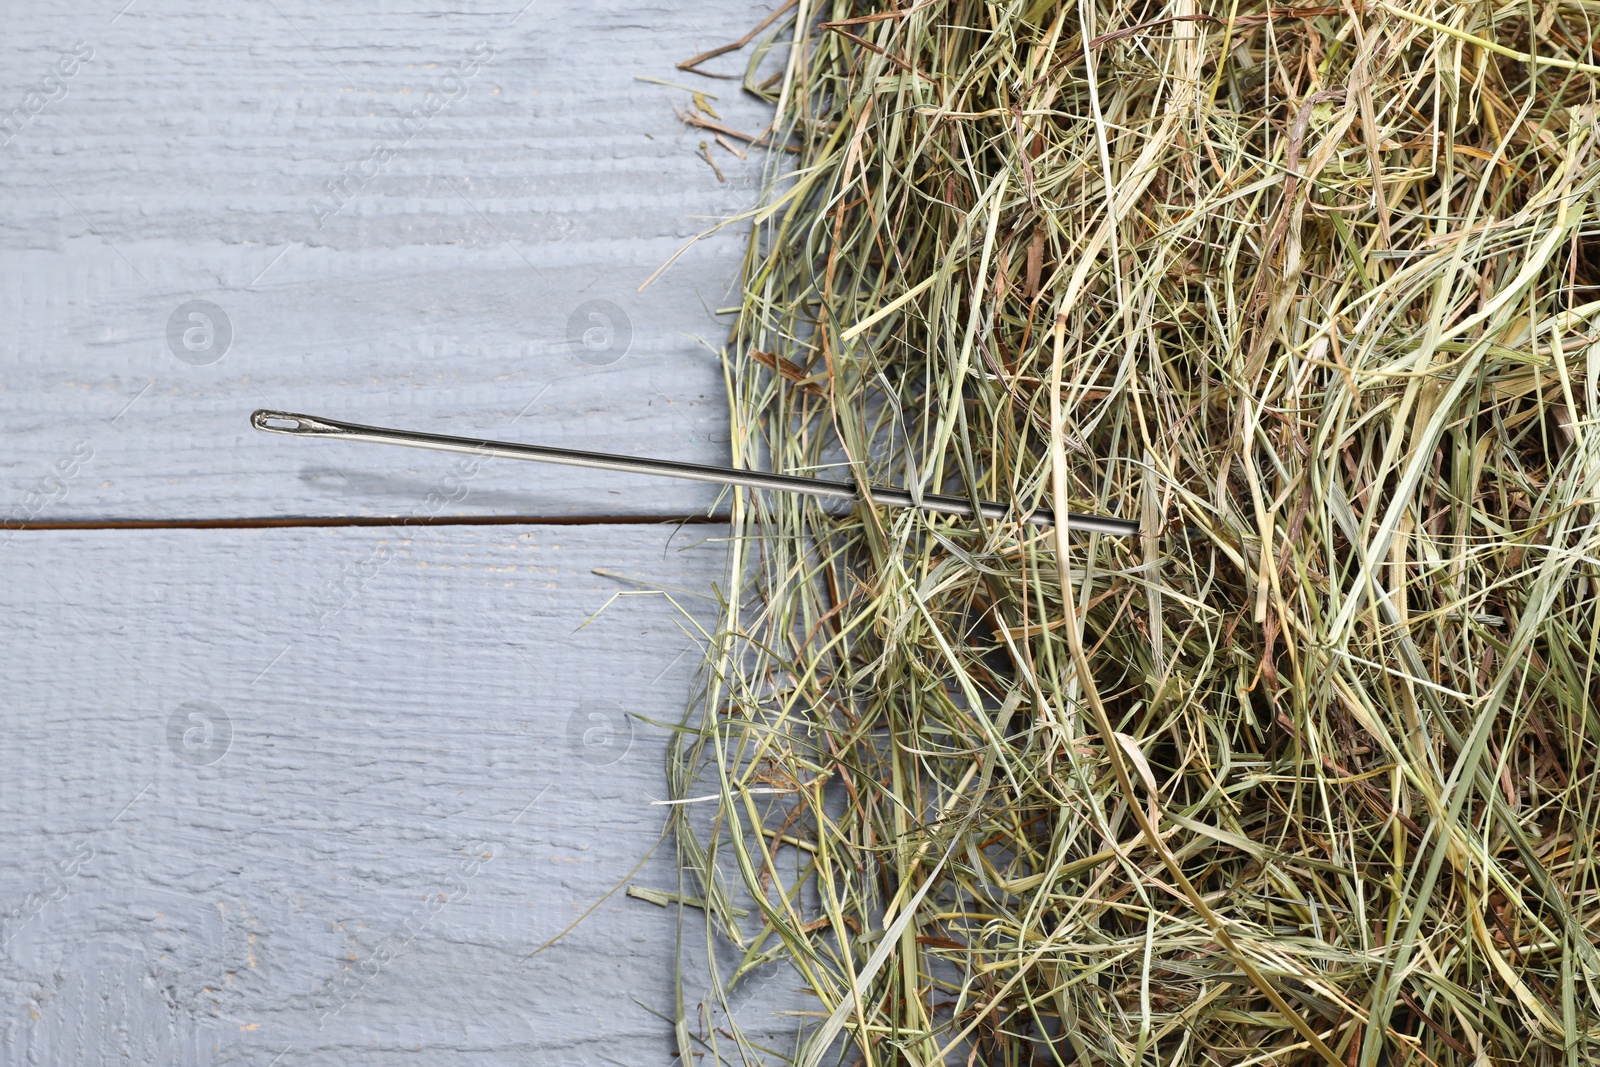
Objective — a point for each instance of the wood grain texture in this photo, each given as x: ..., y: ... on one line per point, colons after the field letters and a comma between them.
x: 198, y: 152
x: 393, y: 806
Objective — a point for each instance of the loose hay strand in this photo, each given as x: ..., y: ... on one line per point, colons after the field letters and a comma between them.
x: 1307, y: 773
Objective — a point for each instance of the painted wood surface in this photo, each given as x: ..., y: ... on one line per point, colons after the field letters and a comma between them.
x: 239, y: 823
x: 434, y: 217
x: 312, y: 796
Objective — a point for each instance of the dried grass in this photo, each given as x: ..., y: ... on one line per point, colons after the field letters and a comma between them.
x: 1307, y: 774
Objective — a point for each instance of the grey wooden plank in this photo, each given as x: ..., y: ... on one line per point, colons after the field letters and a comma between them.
x: 196, y: 153
x: 238, y: 823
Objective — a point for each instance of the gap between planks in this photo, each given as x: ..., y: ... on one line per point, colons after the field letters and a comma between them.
x: 374, y: 520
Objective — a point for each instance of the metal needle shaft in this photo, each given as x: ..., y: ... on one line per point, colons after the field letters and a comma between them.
x: 285, y: 422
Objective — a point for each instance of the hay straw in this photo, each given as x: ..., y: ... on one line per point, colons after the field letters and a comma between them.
x: 1306, y: 774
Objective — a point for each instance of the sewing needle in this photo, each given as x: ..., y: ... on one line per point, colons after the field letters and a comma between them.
x: 285, y: 422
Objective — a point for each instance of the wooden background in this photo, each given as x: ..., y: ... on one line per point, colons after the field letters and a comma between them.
x: 312, y: 793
